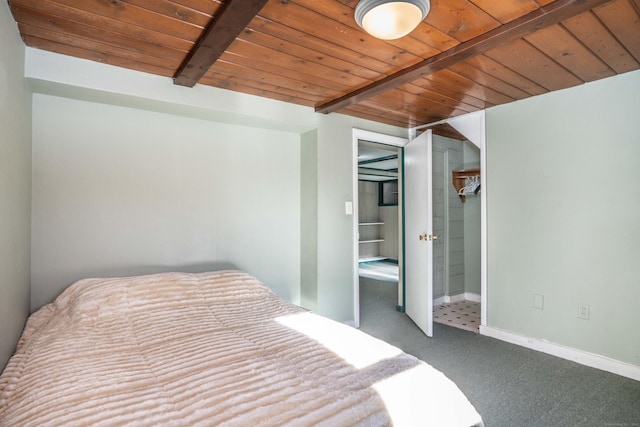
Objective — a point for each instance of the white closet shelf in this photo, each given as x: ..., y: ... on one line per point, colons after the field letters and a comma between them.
x: 371, y: 235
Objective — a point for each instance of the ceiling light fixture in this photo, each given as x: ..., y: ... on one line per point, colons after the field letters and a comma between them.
x: 389, y: 19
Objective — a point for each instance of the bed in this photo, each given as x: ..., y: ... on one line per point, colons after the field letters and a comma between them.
x: 215, y: 348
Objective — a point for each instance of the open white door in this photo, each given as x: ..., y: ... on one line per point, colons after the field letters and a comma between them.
x: 419, y: 231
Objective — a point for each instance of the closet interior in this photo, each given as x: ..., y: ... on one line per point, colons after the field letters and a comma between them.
x: 378, y: 214
x: 456, y: 218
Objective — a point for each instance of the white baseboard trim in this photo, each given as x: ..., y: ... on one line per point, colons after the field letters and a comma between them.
x: 439, y: 301
x: 472, y: 297
x: 579, y: 356
x: 454, y: 298
x: 446, y: 299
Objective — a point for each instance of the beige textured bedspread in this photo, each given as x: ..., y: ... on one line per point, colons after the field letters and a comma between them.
x: 214, y: 348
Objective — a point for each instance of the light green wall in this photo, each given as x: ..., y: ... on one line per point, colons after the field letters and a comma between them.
x: 122, y: 89
x: 15, y: 186
x: 309, y: 220
x: 121, y: 191
x: 335, y: 228
x: 564, y: 216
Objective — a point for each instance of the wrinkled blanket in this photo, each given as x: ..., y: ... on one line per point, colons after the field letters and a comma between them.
x: 216, y: 348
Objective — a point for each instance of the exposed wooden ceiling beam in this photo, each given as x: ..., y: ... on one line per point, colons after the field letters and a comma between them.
x: 231, y: 19
x: 550, y: 14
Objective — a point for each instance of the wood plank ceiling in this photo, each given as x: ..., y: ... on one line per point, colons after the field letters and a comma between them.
x: 466, y: 56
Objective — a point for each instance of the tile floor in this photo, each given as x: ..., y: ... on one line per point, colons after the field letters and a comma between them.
x: 463, y: 315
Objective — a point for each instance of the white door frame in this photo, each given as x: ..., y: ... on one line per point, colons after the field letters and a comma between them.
x: 358, y: 135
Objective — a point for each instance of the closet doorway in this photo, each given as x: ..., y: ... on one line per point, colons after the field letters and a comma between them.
x: 377, y: 213
x: 465, y: 173
x: 472, y: 129
x: 456, y: 219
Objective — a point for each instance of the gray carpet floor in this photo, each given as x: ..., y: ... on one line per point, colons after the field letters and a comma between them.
x: 509, y: 385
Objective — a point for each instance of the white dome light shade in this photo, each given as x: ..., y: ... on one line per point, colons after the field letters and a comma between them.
x: 390, y: 20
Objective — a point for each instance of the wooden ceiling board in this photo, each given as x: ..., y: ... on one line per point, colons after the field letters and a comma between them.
x: 420, y: 50
x: 309, y: 56
x: 310, y: 80
x: 506, y: 10
x: 95, y: 55
x: 205, y: 6
x: 595, y: 36
x: 411, y: 104
x: 457, y: 96
x: 262, y: 57
x: 137, y: 16
x: 378, y: 106
x: 72, y: 33
x: 345, y: 16
x: 425, y: 94
x: 460, y: 19
x: 106, y: 50
x: 559, y: 44
x: 527, y: 60
x: 311, y: 90
x: 489, y: 80
x: 507, y: 75
x: 393, y: 119
x: 176, y: 11
x: 308, y: 21
x: 468, y: 86
x: 446, y: 130
x: 322, y: 47
x: 455, y: 93
x: 403, y: 118
x: 100, y: 23
x: 514, y: 30
x: 623, y: 20
x: 426, y: 34
x: 466, y: 56
x: 258, y: 88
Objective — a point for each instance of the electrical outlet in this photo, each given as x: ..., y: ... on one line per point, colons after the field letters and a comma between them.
x: 583, y: 311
